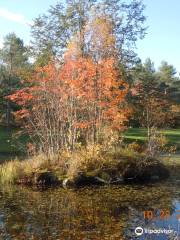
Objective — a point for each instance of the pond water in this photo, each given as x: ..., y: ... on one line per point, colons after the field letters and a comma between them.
x: 88, y: 213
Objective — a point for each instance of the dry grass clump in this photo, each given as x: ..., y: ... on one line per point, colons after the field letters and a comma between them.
x: 85, y: 159
x: 10, y: 171
x: 13, y: 170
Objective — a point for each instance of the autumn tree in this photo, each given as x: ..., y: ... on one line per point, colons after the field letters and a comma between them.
x: 99, y: 48
x: 56, y: 28
x: 76, y: 99
x: 99, y: 40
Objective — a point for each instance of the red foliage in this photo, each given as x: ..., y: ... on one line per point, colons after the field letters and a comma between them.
x: 89, y: 95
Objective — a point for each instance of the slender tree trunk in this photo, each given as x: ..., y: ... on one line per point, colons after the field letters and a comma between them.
x: 148, y: 125
x: 8, y: 109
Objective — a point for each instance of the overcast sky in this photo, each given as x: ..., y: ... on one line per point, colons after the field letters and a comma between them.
x: 161, y: 42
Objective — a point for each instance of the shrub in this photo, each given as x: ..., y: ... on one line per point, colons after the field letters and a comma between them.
x: 84, y: 160
x: 136, y: 147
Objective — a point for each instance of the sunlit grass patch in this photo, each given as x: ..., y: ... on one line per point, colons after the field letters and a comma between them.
x: 140, y: 134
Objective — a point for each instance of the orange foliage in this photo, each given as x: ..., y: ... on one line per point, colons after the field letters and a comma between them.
x: 94, y: 89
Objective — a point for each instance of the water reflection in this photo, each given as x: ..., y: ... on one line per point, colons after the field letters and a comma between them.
x: 100, y: 213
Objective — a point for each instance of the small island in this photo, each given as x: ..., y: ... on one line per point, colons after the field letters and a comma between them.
x: 89, y: 124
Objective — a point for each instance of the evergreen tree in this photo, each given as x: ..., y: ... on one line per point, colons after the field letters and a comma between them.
x: 13, y: 58
x: 167, y: 73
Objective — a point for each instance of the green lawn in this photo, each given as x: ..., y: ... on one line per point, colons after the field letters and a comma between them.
x: 140, y: 134
x: 10, y: 145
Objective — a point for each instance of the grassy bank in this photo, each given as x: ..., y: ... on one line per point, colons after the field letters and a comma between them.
x: 92, y: 164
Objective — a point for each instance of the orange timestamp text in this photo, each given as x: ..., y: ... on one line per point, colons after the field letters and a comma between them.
x: 162, y: 214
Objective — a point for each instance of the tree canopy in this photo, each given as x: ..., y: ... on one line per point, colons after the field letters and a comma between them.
x: 54, y: 29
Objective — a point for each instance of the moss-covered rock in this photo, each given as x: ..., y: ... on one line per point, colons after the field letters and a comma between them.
x: 105, y: 176
x: 45, y: 178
